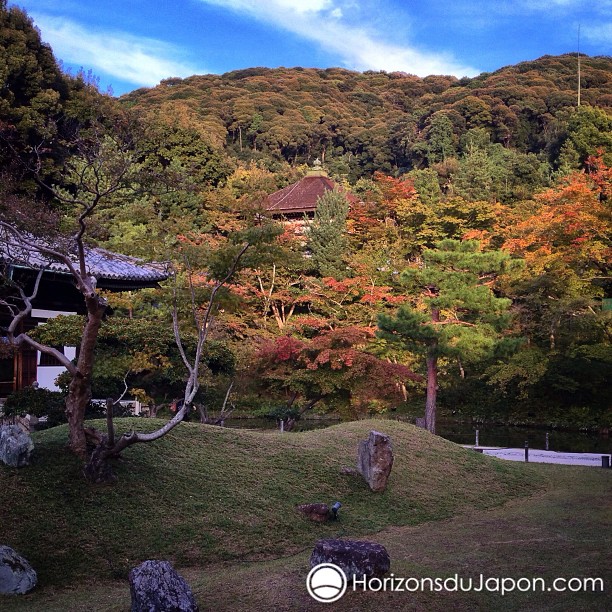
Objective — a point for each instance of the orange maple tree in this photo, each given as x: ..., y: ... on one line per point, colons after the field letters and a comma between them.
x: 571, y: 223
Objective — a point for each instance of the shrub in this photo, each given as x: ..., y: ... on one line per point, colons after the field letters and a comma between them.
x: 278, y: 413
x: 38, y: 402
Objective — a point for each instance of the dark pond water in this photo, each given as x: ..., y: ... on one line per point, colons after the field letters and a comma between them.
x: 515, y: 437
x: 465, y: 433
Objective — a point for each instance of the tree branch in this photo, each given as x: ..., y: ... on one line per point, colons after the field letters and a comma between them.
x: 23, y: 338
x: 192, y: 385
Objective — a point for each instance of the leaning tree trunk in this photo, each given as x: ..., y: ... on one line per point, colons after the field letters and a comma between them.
x: 432, y: 390
x: 97, y: 470
x: 79, y: 394
x: 432, y: 379
x: 79, y: 390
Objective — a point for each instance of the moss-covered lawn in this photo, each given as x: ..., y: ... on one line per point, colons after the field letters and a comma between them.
x: 219, y: 503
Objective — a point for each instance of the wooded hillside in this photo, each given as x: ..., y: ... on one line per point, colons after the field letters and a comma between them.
x: 358, y: 123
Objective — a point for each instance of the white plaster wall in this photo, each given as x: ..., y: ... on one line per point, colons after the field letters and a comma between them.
x: 46, y: 375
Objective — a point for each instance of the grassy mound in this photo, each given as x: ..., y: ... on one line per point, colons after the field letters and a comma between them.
x: 206, y: 494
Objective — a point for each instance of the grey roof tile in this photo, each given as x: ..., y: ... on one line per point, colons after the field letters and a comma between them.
x: 101, y: 264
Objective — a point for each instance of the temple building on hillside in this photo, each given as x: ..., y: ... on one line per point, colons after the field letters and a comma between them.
x: 299, y: 200
x: 57, y: 295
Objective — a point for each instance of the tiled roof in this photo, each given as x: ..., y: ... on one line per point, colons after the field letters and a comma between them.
x: 102, y: 264
x: 107, y: 264
x: 301, y: 196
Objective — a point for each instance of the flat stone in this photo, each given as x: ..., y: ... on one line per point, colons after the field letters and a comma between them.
x: 16, y: 575
x: 353, y: 557
x: 315, y: 512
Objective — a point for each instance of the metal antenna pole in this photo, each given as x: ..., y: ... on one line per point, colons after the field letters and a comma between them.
x: 578, y: 64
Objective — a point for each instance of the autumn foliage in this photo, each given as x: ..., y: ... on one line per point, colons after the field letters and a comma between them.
x: 505, y: 158
x: 334, y: 367
x: 571, y: 223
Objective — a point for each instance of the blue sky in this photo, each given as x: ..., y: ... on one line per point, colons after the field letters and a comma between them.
x: 136, y: 43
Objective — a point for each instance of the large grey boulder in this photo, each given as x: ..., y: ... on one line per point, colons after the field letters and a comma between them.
x: 157, y: 587
x: 16, y: 446
x: 16, y: 574
x: 375, y: 460
x: 353, y: 557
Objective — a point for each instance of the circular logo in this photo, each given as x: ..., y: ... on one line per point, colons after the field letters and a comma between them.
x: 326, y: 582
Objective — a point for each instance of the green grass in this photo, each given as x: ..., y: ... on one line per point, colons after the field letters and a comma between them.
x: 219, y: 503
x: 206, y: 494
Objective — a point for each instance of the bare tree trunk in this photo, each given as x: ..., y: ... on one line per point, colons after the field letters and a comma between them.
x: 203, y: 414
x: 98, y: 469
x: 432, y: 390
x: 224, y: 413
x: 461, y: 368
x: 79, y: 394
x: 432, y: 379
x: 268, y: 295
x: 79, y: 390
x: 291, y: 421
x: 551, y: 335
x: 279, y: 315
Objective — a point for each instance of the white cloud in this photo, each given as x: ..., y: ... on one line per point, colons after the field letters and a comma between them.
x: 361, y: 50
x: 357, y: 45
x: 518, y: 6
x: 546, y: 4
x: 138, y: 60
x: 600, y: 34
x: 303, y: 6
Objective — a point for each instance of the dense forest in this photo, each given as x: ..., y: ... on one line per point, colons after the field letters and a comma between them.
x: 359, y: 123
x: 475, y: 261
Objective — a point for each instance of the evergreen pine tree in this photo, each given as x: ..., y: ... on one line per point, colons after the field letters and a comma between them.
x: 456, y: 314
x: 327, y: 239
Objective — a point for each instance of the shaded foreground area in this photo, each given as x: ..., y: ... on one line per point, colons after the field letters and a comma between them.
x: 220, y: 503
x: 561, y: 532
